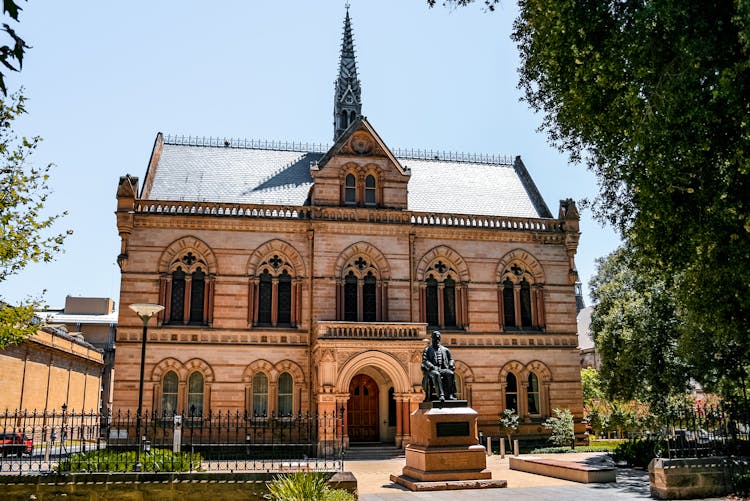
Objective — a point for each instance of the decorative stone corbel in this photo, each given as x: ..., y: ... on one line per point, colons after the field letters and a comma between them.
x: 127, y: 192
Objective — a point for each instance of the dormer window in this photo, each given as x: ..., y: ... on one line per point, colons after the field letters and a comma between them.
x: 350, y: 189
x: 370, y: 190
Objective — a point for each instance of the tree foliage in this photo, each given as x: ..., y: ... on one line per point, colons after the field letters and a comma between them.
x: 561, y: 426
x: 11, y: 52
x: 637, y: 331
x: 24, y: 229
x: 606, y: 414
x: 653, y: 98
x: 489, y: 4
x: 508, y: 422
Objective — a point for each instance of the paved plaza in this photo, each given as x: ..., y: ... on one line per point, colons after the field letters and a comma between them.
x: 373, y: 480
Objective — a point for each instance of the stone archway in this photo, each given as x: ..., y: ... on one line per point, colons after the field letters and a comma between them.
x: 383, y: 376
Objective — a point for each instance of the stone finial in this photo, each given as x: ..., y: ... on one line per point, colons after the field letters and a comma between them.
x: 570, y: 216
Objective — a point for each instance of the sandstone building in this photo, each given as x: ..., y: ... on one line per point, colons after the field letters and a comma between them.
x: 299, y: 279
x: 95, y: 320
x: 49, y: 371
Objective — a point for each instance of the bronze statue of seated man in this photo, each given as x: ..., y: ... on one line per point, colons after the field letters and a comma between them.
x: 437, y: 371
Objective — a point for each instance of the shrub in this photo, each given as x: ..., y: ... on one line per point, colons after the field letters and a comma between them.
x: 109, y: 460
x: 639, y: 451
x: 561, y: 426
x: 508, y: 422
x: 301, y: 486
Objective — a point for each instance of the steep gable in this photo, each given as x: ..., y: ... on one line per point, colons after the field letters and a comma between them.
x: 360, y: 171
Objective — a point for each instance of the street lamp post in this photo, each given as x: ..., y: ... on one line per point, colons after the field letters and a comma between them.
x: 144, y: 312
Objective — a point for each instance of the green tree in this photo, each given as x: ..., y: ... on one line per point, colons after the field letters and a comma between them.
x: 11, y: 53
x: 652, y: 97
x: 24, y: 229
x: 508, y: 422
x: 637, y: 331
x: 592, y: 386
x: 561, y: 426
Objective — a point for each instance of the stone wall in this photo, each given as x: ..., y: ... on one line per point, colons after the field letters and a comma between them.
x: 49, y: 370
x: 689, y: 478
x: 149, y: 486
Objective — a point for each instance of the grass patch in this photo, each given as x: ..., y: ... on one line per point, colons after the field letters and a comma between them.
x: 608, y: 445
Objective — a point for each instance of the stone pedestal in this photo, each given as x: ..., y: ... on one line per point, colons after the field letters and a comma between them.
x: 444, y: 452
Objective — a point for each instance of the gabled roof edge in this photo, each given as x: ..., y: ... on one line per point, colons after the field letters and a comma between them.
x: 148, y: 179
x: 531, y: 189
x: 361, y: 120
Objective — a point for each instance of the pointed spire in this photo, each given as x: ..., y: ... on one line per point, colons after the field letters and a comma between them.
x: 347, y: 103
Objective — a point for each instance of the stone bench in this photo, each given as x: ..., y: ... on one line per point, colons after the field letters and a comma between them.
x: 566, y: 470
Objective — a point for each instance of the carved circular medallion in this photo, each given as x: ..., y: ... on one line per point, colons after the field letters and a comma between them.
x: 361, y: 143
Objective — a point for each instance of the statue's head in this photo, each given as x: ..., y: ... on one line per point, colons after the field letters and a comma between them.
x: 435, y: 338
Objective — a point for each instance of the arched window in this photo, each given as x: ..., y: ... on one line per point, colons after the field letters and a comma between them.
x: 350, y: 297
x: 197, y: 295
x: 185, y: 290
x: 195, y: 395
x: 169, y: 385
x: 369, y: 298
x: 285, y: 298
x: 449, y: 302
x: 511, y: 392
x: 265, y: 298
x: 284, y: 405
x: 274, y: 295
x: 177, y: 300
x: 344, y: 119
x: 431, y: 301
x: 534, y: 401
x: 526, y: 320
x: 260, y: 394
x: 441, y: 304
x: 370, y: 190
x: 509, y: 304
x: 350, y: 189
x: 359, y: 293
x: 520, y: 298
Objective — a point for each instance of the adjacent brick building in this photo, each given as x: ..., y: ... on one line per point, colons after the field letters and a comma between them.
x: 49, y: 370
x: 299, y: 278
x: 95, y: 320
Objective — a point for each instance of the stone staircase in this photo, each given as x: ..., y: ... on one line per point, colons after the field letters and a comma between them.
x: 372, y: 452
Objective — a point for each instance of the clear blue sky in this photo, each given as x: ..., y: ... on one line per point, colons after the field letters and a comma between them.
x: 103, y: 78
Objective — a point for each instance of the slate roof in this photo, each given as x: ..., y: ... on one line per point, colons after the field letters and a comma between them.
x: 78, y: 318
x: 259, y: 175
x: 585, y: 340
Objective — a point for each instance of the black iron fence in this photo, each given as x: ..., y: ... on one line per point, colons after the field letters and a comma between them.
x: 716, y: 431
x: 703, y: 431
x: 41, y: 442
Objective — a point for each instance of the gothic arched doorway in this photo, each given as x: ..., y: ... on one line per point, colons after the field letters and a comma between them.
x: 362, y: 410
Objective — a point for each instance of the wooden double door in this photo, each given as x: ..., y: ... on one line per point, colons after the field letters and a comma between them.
x: 362, y: 410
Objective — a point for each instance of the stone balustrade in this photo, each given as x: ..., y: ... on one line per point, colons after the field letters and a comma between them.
x: 348, y: 214
x: 371, y: 330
